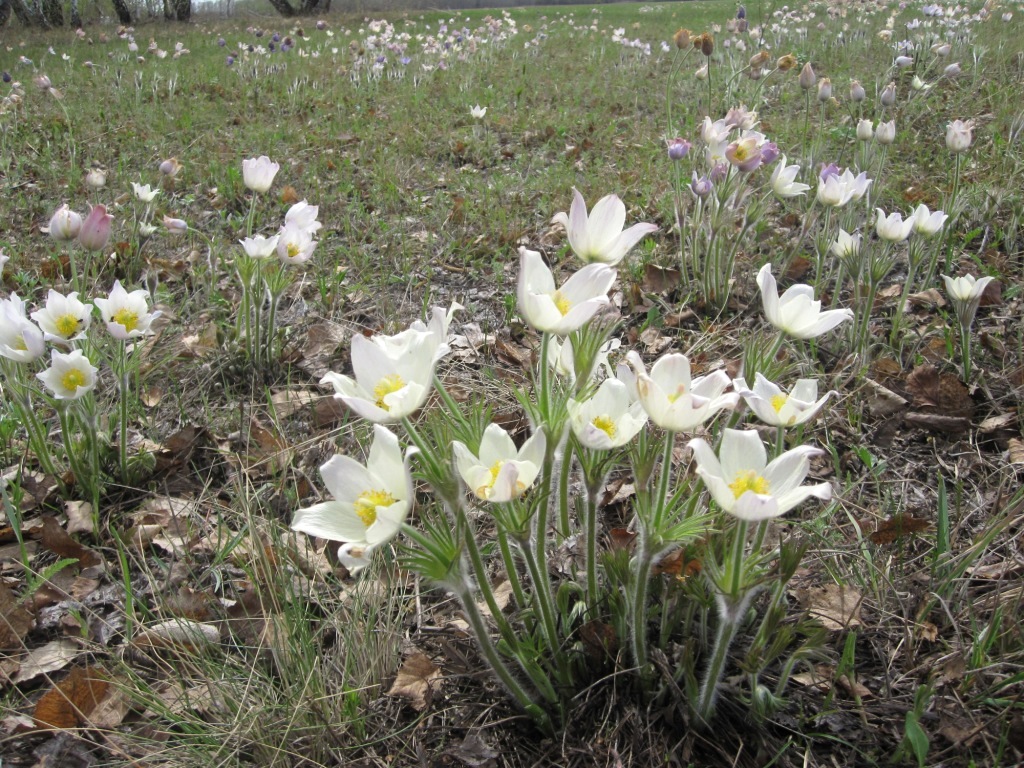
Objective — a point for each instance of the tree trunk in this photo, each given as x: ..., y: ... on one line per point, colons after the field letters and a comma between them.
x: 183, y: 9
x: 53, y: 13
x: 283, y: 7
x: 5, y: 11
x: 26, y: 15
x: 121, y: 9
x: 76, y: 17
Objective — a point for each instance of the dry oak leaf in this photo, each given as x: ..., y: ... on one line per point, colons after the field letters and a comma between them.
x: 57, y: 540
x: 414, y: 680
x: 835, y: 606
x: 943, y: 391
x: 70, y: 702
x: 15, y: 620
x: 178, y: 633
x: 47, y: 658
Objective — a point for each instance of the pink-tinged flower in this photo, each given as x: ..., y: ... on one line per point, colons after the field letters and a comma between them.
x: 560, y: 310
x: 500, y: 472
x: 744, y: 484
x: 70, y: 375
x: 678, y: 149
x: 64, y: 318
x: 745, y: 154
x: 599, y: 237
x: 796, y: 312
x: 175, y: 226
x: 95, y: 231
x: 675, y: 402
x: 958, y: 136
x: 65, y: 224
x: 20, y: 339
x: 126, y: 314
x: 370, y: 501
x: 777, y: 409
x: 258, y: 173
x: 295, y: 245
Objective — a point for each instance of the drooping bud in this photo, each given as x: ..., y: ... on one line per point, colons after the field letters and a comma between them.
x: 786, y: 63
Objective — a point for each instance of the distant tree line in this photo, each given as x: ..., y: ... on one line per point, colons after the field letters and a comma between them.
x: 48, y: 14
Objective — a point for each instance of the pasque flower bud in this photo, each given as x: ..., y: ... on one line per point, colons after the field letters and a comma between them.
x: 95, y: 229
x: 807, y: 77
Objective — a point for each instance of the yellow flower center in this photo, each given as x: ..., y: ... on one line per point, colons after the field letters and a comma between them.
x: 748, y: 480
x: 387, y: 385
x: 778, y: 401
x: 606, y: 424
x: 127, y: 318
x: 20, y: 345
x: 680, y: 391
x: 562, y: 303
x: 293, y: 250
x: 366, y: 505
x: 66, y: 325
x: 485, y: 490
x: 72, y: 380
x: 742, y: 152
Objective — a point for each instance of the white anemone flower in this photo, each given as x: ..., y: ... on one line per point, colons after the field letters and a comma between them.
x: 965, y: 294
x: 784, y: 183
x: 477, y: 112
x: 845, y: 245
x: 926, y: 222
x: 258, y: 173
x: 20, y: 339
x: 777, y: 409
x: 295, y: 245
x: 500, y: 472
x: 303, y: 216
x: 796, y: 311
x: 391, y: 381
x: 675, y: 402
x: 370, y: 501
x: 562, y: 358
x: 64, y: 318
x: 744, y: 484
x: 260, y: 247
x: 144, y: 193
x: 599, y: 237
x: 70, y: 375
x: 560, y: 310
x: 609, y: 419
x: 893, y: 228
x: 436, y: 329
x: 835, y: 191
x: 126, y: 314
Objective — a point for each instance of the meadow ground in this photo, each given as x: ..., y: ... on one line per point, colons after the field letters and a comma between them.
x: 156, y: 608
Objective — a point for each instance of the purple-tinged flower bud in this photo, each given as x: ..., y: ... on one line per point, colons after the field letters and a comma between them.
x: 321, y: 25
x: 95, y: 229
x: 230, y: 60
x: 807, y: 77
x: 857, y: 92
x: 6, y: 77
x: 221, y: 42
x: 175, y: 226
x: 888, y: 97
x: 824, y: 89
x: 275, y: 38
x: 65, y: 224
x: 701, y: 187
x: 170, y: 167
x: 259, y: 33
x: 769, y: 152
x: 741, y: 12
x: 828, y: 170
x: 953, y: 70
x: 678, y: 149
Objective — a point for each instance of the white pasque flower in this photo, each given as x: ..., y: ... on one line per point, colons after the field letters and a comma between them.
x: 744, y: 484
x: 64, y: 318
x: 303, y: 216
x: 65, y: 224
x: 436, y: 329
x: 392, y: 377
x: 609, y: 418
x: 845, y: 244
x: 560, y: 310
x: 478, y: 112
x: 796, y: 311
x: 144, y: 193
x: 70, y: 375
x: 598, y: 237
x: 777, y: 409
x: 784, y: 183
x: 959, y: 135
x: 260, y: 247
x: 370, y: 501
x: 258, y: 173
x: 295, y: 245
x: 835, y: 191
x: 20, y: 339
x: 926, y: 222
x: 965, y: 294
x: 126, y: 314
x: 892, y: 227
x: 675, y: 402
x: 562, y: 358
x: 499, y: 472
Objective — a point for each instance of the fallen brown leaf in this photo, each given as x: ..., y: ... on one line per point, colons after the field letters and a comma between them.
x: 68, y: 704
x: 55, y: 655
x: 15, y: 621
x: 414, y: 680
x: 896, y: 527
x: 836, y: 607
x: 79, y: 516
